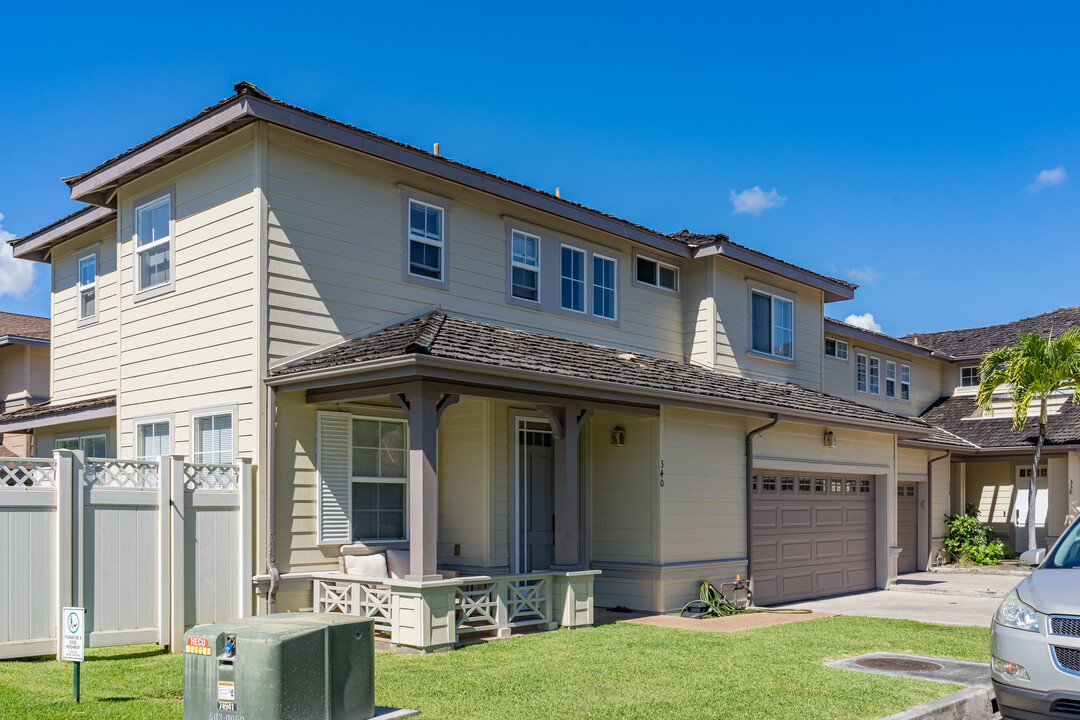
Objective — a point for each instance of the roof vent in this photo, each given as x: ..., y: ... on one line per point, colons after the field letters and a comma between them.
x: 435, y: 152
x: 558, y: 192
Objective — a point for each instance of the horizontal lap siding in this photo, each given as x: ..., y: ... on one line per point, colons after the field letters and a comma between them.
x: 623, y: 522
x: 335, y: 257
x: 926, y: 378
x: 195, y: 346
x: 12, y: 377
x: 991, y: 486
x: 733, y: 282
x: 464, y: 483
x: 84, y: 359
x: 704, y: 516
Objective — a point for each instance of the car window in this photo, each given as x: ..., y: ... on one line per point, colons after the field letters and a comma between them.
x: 1067, y: 553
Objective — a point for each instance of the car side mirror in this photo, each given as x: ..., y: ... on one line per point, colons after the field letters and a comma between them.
x: 1033, y: 558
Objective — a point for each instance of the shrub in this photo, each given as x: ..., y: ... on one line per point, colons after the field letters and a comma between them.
x: 971, y: 542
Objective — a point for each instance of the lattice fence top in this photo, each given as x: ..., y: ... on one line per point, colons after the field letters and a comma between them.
x: 27, y: 472
x: 102, y: 472
x: 200, y: 476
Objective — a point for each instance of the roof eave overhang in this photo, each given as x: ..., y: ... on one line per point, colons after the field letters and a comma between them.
x: 59, y: 418
x: 414, y: 367
x: 834, y: 291
x: 38, y: 245
x: 20, y: 340
x: 856, y: 333
x: 931, y: 445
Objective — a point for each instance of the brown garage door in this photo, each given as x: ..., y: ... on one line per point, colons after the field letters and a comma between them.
x: 907, y: 527
x: 813, y: 535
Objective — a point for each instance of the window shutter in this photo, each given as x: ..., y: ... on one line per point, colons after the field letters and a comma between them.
x: 334, y: 471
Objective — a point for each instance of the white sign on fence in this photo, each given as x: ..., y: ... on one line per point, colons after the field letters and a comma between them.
x: 74, y: 635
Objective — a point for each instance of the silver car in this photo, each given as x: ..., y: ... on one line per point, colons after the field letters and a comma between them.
x: 1035, y: 636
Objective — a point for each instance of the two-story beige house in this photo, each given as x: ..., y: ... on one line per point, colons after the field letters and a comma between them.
x: 441, y: 373
x: 24, y: 373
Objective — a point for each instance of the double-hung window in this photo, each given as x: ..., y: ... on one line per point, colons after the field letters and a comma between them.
x: 772, y: 325
x: 875, y: 376
x: 95, y: 446
x: 836, y: 348
x: 905, y: 382
x: 860, y: 373
x: 88, y: 287
x: 426, y: 240
x: 213, y: 438
x: 152, y: 438
x: 525, y: 266
x: 657, y: 274
x: 153, y: 244
x: 379, y: 478
x: 604, y: 303
x: 890, y: 379
x: 573, y: 279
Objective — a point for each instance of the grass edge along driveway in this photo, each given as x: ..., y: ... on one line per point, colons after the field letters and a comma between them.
x: 615, y: 671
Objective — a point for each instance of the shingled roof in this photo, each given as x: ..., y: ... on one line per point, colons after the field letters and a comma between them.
x: 954, y: 416
x: 24, y: 326
x: 444, y: 336
x: 45, y: 409
x: 976, y: 342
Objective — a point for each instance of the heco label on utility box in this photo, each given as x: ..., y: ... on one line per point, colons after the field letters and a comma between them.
x: 73, y: 638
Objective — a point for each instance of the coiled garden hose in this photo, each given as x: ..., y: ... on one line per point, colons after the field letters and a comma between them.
x: 719, y: 606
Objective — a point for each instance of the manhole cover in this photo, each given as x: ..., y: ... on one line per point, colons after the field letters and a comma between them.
x: 902, y: 664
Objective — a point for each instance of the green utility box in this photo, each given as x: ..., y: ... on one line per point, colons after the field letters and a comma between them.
x: 273, y: 667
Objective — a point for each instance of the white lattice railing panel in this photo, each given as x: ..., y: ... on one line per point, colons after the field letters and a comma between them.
x: 526, y: 601
x: 27, y: 472
x: 376, y: 602
x: 354, y: 598
x: 478, y: 606
x: 103, y: 472
x: 201, y: 476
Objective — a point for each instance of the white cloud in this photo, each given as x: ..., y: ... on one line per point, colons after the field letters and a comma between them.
x: 865, y: 321
x: 864, y: 275
x: 16, y: 276
x: 755, y: 200
x: 1048, y: 179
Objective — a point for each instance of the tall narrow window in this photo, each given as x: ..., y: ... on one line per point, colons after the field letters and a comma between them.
x: 890, y: 379
x: 860, y: 372
x: 153, y: 244
x: 772, y: 325
x: 88, y: 287
x: 525, y: 266
x: 425, y: 240
x: 875, y: 376
x: 152, y: 439
x: 213, y: 439
x: 603, y: 287
x: 379, y: 473
x: 573, y: 279
x: 905, y: 382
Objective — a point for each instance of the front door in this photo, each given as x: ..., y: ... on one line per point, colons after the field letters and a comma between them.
x: 1020, y: 510
x: 535, y: 491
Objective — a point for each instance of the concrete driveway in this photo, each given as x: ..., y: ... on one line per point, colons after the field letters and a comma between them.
x: 949, y: 598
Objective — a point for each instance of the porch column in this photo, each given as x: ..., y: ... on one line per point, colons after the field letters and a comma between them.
x: 566, y: 425
x: 423, y: 408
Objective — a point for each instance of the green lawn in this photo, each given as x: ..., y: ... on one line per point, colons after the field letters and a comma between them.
x: 616, y: 671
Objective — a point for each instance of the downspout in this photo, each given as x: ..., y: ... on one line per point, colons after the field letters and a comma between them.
x: 750, y: 495
x: 930, y: 503
x: 269, y: 466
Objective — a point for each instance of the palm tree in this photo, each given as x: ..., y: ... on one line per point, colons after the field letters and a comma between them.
x: 1033, y: 369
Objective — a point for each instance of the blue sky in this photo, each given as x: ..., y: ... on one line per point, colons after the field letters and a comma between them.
x: 903, y: 141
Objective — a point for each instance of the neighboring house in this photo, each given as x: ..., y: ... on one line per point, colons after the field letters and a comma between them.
x: 418, y: 355
x: 24, y: 373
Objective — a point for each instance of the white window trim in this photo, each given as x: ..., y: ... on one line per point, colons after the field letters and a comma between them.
x: 969, y: 367
x: 141, y: 293
x: 584, y: 279
x: 905, y: 385
x: 656, y: 285
x: 838, y: 343
x: 80, y: 319
x: 890, y: 366
x: 773, y: 296
x: 875, y: 363
x: 525, y: 266
x: 614, y: 290
x: 368, y: 542
x: 136, y: 422
x: 864, y: 361
x: 83, y: 435
x: 209, y: 411
x: 423, y: 240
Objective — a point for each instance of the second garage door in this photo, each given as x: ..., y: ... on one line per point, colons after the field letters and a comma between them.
x: 813, y: 536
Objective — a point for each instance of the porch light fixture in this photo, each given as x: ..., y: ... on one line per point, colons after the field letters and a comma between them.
x: 618, y: 436
x: 830, y: 439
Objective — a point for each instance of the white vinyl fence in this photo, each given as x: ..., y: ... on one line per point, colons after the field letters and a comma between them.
x: 148, y: 548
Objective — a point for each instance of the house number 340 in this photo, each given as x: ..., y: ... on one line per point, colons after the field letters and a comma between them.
x: 661, y: 473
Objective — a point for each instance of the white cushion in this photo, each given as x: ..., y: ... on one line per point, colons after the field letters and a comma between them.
x: 397, y: 562
x: 370, y: 566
